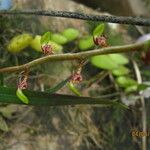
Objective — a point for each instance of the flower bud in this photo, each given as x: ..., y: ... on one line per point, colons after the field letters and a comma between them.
x: 100, y: 40
x: 47, y: 49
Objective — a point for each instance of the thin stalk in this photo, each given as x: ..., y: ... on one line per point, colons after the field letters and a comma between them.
x: 144, y: 116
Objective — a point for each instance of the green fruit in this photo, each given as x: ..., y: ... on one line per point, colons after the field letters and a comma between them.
x: 58, y: 38
x: 21, y: 96
x: 19, y: 42
x: 56, y: 47
x: 36, y: 44
x: 86, y: 43
x: 71, y: 34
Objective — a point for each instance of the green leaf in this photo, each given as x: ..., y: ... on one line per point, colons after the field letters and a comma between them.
x: 86, y: 43
x: 142, y: 87
x: 104, y: 62
x: 45, y: 38
x: 58, y: 38
x: 119, y: 59
x: 73, y: 89
x: 8, y: 95
x: 99, y: 30
x: 109, y: 62
x: 132, y: 88
x: 71, y: 34
x: 122, y: 70
x: 125, y: 82
x: 3, y: 125
x: 58, y: 86
x: 21, y: 96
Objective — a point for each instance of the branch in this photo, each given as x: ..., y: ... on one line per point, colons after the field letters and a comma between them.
x: 104, y: 18
x: 78, y: 56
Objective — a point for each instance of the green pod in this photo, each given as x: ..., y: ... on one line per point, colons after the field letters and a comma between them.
x: 71, y: 34
x: 19, y: 42
x: 56, y: 47
x: 86, y: 43
x: 59, y: 39
x: 21, y: 96
x: 36, y: 44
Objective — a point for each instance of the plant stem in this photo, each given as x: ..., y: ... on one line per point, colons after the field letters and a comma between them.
x: 78, y: 56
x: 144, y: 117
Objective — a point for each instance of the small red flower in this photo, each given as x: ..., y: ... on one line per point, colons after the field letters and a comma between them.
x: 76, y: 76
x: 100, y: 40
x: 47, y: 49
x: 22, y: 84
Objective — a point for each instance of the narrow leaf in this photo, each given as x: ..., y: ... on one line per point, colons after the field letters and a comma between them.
x: 58, y: 86
x: 8, y: 95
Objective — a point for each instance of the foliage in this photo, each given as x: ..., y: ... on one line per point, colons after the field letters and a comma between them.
x: 71, y: 34
x: 86, y: 43
x: 94, y: 84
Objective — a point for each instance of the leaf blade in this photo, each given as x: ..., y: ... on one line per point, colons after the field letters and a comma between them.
x: 8, y: 95
x: 46, y: 37
x: 99, y: 30
x: 58, y: 86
